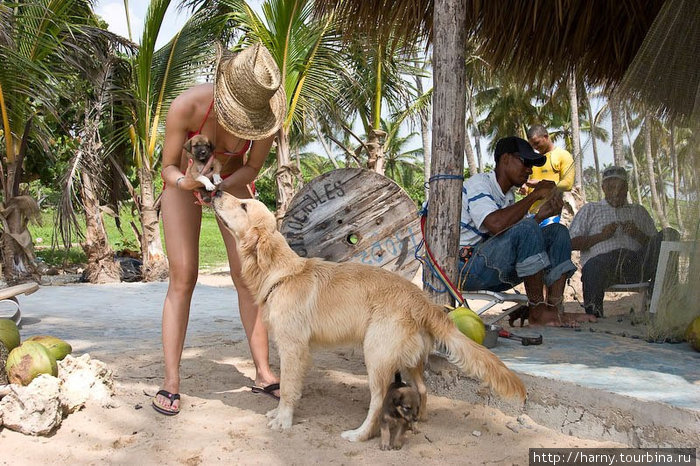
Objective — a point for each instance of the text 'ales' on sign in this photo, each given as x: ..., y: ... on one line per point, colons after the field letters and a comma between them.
x: 354, y: 214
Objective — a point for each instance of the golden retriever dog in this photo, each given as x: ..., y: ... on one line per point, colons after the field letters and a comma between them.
x: 309, y: 302
x: 199, y: 149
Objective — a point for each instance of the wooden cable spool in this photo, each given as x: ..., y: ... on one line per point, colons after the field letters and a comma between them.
x: 354, y: 214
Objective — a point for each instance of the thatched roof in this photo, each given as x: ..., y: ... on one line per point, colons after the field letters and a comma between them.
x: 597, y: 38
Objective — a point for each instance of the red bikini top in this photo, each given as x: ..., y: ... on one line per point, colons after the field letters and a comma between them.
x: 219, y: 152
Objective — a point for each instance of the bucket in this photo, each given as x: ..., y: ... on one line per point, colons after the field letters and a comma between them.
x: 491, y: 338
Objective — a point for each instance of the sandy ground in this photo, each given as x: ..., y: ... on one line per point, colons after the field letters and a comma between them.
x: 222, y: 422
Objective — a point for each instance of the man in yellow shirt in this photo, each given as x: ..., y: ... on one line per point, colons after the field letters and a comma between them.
x: 559, y: 166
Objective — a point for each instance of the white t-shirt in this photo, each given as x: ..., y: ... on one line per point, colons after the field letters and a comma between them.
x: 481, y: 195
x: 593, y: 217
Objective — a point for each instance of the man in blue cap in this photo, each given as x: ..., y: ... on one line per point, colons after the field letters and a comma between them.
x: 501, y: 246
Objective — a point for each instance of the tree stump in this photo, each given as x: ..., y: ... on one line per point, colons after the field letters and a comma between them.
x: 357, y: 215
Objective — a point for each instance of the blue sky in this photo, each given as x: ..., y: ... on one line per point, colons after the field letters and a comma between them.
x: 112, y: 11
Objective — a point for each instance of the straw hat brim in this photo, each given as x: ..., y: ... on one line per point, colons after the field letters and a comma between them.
x: 244, y: 122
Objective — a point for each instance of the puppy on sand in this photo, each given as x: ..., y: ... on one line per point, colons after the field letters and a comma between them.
x: 399, y: 412
x: 199, y: 149
x: 311, y: 302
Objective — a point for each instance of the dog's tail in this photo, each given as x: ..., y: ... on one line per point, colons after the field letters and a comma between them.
x: 472, y: 358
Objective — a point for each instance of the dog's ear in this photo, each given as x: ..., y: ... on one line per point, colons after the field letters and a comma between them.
x: 188, y: 145
x: 265, y: 248
x: 210, y: 145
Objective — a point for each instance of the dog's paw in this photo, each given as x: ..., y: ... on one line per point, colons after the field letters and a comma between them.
x: 384, y: 446
x: 280, y: 422
x: 216, y: 178
x: 356, y: 435
x: 272, y: 413
x: 209, y: 186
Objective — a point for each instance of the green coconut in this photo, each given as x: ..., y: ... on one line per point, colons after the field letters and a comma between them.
x: 57, y: 347
x: 29, y: 360
x: 9, y: 334
x: 469, y: 323
x: 692, y: 334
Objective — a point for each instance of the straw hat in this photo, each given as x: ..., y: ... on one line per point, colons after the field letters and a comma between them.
x: 248, y: 98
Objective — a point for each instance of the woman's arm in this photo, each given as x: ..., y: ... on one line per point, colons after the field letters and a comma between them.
x: 175, y: 136
x: 248, y: 172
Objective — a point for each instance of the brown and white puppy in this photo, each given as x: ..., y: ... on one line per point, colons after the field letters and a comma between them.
x: 399, y: 412
x: 199, y: 149
x: 312, y: 302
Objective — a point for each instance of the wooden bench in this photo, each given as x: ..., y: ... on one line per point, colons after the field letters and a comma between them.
x: 9, y: 296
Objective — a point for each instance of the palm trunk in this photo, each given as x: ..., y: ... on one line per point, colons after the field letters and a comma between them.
x: 676, y: 177
x: 615, y: 116
x: 477, y: 133
x: 284, y: 176
x: 16, y: 211
x: 449, y: 99
x: 594, y: 142
x: 469, y: 150
x: 375, y: 146
x: 576, y: 136
x: 101, y: 267
x: 155, y: 265
x: 635, y: 170
x: 656, y: 204
x: 425, y: 138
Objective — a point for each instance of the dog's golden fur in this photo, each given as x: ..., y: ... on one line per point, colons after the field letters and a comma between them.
x: 309, y: 302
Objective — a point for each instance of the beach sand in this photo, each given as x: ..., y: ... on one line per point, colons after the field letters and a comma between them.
x: 223, y: 422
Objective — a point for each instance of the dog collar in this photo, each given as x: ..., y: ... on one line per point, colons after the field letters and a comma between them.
x: 272, y: 288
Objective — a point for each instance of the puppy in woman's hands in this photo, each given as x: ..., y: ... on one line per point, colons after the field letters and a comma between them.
x: 204, y: 165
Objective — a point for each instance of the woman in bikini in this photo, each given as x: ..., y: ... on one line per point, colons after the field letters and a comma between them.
x: 240, y: 114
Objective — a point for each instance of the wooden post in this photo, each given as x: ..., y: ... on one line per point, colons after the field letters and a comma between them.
x: 449, y: 107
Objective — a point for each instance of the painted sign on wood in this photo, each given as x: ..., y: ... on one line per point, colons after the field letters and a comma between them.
x: 353, y: 214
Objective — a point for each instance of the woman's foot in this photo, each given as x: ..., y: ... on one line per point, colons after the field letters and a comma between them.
x: 167, y: 400
x: 267, y: 380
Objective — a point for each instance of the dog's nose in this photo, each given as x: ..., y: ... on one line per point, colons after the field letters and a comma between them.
x: 216, y: 194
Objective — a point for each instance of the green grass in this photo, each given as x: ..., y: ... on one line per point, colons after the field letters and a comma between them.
x: 212, y: 252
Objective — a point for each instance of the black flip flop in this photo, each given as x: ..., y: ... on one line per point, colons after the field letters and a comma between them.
x: 267, y: 390
x: 172, y: 397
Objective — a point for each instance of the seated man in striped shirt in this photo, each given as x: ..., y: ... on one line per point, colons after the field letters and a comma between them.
x: 618, y: 241
x: 501, y: 246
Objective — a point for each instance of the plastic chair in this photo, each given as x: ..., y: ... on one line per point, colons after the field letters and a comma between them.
x: 9, y: 296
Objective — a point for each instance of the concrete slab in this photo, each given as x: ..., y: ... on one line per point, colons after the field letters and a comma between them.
x: 639, y: 393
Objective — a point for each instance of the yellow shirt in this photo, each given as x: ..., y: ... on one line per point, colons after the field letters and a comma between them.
x: 558, y: 168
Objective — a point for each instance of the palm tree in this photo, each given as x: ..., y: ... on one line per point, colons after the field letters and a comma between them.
x: 595, y: 132
x: 576, y: 134
x: 306, y: 50
x: 158, y: 76
x: 510, y: 108
x: 41, y: 42
x: 649, y: 157
x: 375, y: 78
x: 615, y: 115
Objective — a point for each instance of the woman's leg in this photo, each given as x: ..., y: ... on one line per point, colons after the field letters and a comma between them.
x: 251, y: 317
x: 181, y: 225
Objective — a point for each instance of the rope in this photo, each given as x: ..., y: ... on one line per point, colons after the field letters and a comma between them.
x: 432, y: 264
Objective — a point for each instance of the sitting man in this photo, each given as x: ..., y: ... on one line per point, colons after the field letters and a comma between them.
x: 501, y: 247
x: 618, y: 241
